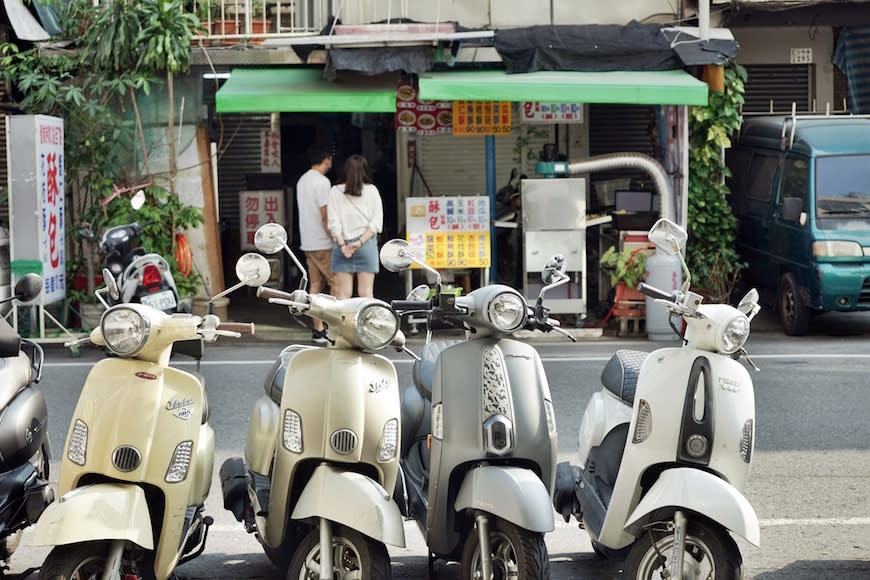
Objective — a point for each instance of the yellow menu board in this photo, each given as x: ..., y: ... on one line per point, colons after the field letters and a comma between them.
x: 449, y: 232
x: 481, y: 117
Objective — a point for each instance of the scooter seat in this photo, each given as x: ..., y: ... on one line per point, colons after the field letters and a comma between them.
x: 424, y: 369
x: 620, y: 373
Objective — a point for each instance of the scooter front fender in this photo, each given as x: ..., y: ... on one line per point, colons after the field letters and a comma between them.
x: 353, y: 500
x: 514, y: 494
x: 701, y: 492
x: 104, y: 511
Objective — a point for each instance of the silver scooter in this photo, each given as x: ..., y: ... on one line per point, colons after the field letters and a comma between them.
x: 479, y: 438
x: 323, y: 442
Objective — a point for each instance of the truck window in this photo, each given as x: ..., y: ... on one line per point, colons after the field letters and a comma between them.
x: 795, y: 180
x: 761, y: 173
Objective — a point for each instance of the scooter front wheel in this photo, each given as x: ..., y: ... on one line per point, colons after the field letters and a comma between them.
x: 353, y: 556
x: 76, y: 562
x: 710, y: 553
x: 515, y: 553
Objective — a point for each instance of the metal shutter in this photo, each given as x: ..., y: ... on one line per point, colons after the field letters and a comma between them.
x: 783, y: 84
x: 616, y: 129
x: 454, y: 165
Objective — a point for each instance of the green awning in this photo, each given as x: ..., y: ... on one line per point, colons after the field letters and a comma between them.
x: 276, y: 90
x: 667, y: 87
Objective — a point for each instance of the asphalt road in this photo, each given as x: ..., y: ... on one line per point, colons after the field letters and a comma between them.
x: 811, y: 469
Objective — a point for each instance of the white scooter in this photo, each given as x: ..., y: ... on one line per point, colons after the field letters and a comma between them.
x: 666, y: 445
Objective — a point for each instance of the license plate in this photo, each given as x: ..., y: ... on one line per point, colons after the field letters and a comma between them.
x: 160, y: 300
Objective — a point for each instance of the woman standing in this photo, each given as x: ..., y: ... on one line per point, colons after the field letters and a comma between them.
x: 355, y: 215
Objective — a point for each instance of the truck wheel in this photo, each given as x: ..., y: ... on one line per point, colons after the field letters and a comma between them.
x: 76, y: 562
x: 516, y: 553
x: 353, y: 556
x: 794, y: 316
x: 711, y: 554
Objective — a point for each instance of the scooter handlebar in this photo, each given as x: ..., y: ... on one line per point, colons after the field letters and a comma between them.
x: 654, y: 292
x: 240, y: 327
x: 406, y: 305
x: 264, y: 292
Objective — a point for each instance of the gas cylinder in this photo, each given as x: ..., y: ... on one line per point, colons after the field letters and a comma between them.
x: 664, y: 272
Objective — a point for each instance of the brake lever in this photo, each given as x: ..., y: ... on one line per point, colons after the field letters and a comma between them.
x: 564, y: 332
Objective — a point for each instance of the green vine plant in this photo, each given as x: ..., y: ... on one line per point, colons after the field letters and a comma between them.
x: 711, y: 253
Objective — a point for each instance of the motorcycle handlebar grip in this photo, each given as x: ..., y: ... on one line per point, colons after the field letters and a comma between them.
x: 263, y: 292
x: 403, y: 305
x: 654, y: 292
x: 240, y: 327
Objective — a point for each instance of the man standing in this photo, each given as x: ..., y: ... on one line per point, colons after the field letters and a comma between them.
x: 312, y: 195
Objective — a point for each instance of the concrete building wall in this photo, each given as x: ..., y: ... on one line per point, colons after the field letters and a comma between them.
x: 763, y: 45
x: 508, y: 13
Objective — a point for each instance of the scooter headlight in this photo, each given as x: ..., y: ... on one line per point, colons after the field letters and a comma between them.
x: 124, y: 331
x: 732, y: 334
x: 375, y: 326
x: 78, y: 443
x: 180, y: 462
x: 389, y: 441
x: 507, y: 312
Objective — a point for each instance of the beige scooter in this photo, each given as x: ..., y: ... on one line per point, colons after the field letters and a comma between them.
x: 323, y: 443
x: 138, y: 459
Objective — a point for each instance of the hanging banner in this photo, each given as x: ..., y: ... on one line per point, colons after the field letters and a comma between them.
x: 426, y: 117
x: 270, y: 151
x: 449, y: 232
x: 258, y: 208
x: 481, y: 117
x: 546, y: 112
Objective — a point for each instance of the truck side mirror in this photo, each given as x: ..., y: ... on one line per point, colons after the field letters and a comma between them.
x: 792, y: 207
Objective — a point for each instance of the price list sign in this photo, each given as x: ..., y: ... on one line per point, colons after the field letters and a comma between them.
x: 450, y: 232
x: 481, y: 117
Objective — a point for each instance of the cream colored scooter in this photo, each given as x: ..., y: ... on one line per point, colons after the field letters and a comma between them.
x: 138, y: 459
x: 323, y: 443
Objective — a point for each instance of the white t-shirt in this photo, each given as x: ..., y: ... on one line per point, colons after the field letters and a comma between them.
x: 349, y: 216
x: 312, y: 193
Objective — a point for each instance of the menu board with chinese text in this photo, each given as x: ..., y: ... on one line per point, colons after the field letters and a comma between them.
x: 481, y: 117
x: 449, y: 232
x: 547, y: 112
x: 426, y: 117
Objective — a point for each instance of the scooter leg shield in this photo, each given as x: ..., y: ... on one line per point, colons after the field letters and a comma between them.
x: 353, y: 500
x: 701, y: 492
x: 514, y: 494
x: 104, y: 511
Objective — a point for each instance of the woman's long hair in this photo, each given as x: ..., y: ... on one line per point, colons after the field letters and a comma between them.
x: 356, y: 174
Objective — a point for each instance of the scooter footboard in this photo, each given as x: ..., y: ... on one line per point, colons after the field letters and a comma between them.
x: 701, y: 492
x: 104, y: 511
x: 521, y: 496
x: 353, y: 500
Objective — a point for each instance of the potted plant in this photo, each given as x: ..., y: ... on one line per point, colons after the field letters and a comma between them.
x: 626, y: 270
x: 260, y: 22
x: 216, y: 19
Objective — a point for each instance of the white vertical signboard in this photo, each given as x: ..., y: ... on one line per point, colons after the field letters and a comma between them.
x: 36, y: 201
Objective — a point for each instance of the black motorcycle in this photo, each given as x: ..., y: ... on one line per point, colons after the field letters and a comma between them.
x: 141, y: 277
x: 24, y: 448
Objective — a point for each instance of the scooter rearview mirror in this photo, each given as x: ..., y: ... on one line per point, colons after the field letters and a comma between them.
x: 270, y: 238
x: 668, y: 236
x: 28, y: 287
x: 749, y: 304
x: 554, y: 270
x: 253, y: 270
x: 111, y: 284
x: 138, y: 200
x: 396, y: 255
